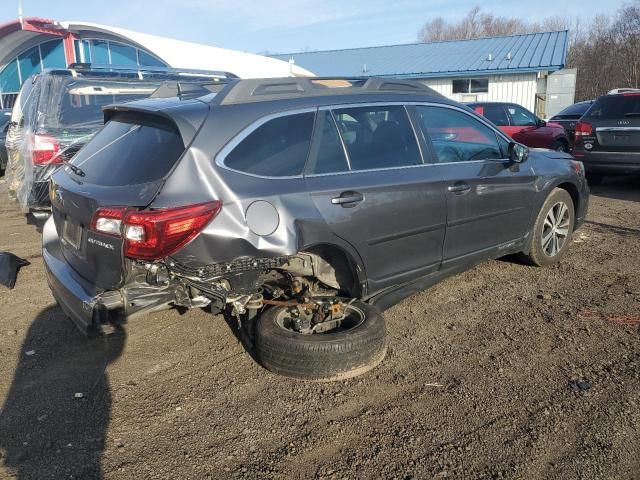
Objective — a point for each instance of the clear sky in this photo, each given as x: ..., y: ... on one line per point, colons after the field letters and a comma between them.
x: 283, y: 26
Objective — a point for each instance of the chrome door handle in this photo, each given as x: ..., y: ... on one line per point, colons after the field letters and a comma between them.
x: 459, y: 188
x: 348, y: 199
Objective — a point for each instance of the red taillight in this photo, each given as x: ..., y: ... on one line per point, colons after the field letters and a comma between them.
x: 154, y: 234
x: 583, y: 129
x: 45, y: 150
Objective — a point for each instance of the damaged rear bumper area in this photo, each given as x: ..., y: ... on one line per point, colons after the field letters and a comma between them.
x: 89, y: 307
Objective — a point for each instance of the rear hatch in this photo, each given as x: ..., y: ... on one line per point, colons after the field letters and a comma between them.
x: 615, y: 124
x: 124, y: 165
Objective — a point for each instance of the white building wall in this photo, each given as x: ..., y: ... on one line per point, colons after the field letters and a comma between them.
x: 518, y: 88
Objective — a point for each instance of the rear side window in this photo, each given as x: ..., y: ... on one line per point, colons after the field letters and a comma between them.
x: 278, y: 148
x: 521, y: 117
x: 378, y: 137
x: 78, y: 103
x: 330, y: 157
x: 457, y: 136
x: 130, y: 151
x: 496, y: 114
x: 615, y: 106
x: 577, y: 109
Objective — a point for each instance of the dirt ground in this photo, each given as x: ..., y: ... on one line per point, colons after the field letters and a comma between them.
x: 506, y: 371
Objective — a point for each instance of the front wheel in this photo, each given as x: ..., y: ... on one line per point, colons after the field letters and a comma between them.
x: 352, y: 347
x: 552, y: 229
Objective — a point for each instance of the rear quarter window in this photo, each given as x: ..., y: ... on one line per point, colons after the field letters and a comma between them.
x: 277, y: 148
x: 130, y: 151
x: 615, y: 106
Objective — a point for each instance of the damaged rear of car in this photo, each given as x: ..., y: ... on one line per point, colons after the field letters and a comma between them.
x: 143, y: 220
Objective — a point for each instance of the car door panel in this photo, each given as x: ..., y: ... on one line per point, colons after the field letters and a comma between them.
x: 486, y: 198
x: 392, y: 216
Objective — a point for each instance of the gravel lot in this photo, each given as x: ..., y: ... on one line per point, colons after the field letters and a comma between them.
x: 504, y: 371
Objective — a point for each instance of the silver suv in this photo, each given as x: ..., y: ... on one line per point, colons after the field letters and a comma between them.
x: 300, y: 206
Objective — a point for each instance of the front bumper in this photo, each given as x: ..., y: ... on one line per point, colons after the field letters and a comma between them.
x: 88, y: 306
x: 610, y: 163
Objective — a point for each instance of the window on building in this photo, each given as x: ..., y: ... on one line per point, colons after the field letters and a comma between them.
x: 53, y: 54
x: 100, y: 52
x: 123, y: 54
x: 277, y: 148
x: 470, y: 85
x: 457, y: 136
x: 378, y: 137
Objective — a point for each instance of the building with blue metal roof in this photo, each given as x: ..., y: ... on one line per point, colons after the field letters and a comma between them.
x: 525, y: 69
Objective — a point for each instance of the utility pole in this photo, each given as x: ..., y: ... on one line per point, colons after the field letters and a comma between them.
x: 20, y: 11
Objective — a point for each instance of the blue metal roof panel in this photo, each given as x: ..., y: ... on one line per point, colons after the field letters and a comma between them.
x: 531, y: 52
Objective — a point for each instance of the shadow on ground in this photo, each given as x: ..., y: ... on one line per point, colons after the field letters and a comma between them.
x: 54, y: 420
x: 623, y: 187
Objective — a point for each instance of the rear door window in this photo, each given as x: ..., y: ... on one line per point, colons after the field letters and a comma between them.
x: 129, y: 151
x: 496, y: 114
x: 457, y: 136
x: 521, y: 117
x: 329, y: 155
x: 277, y: 148
x: 378, y: 137
x: 615, y: 106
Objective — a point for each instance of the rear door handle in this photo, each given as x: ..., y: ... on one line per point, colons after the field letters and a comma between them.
x: 348, y: 199
x: 459, y: 188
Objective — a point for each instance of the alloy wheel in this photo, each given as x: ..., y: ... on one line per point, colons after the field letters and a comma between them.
x: 555, y: 229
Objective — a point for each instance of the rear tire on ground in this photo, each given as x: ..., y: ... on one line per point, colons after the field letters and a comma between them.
x: 594, y: 179
x: 327, y: 356
x: 561, y: 146
x: 552, y: 229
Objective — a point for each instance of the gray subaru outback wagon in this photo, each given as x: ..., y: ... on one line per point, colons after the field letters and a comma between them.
x: 301, y: 207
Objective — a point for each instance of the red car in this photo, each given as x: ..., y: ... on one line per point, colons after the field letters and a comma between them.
x: 523, y: 126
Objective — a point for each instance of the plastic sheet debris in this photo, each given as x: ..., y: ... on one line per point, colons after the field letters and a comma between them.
x: 55, y: 116
x: 9, y: 266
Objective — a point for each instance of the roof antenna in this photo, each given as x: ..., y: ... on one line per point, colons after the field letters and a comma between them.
x: 20, y: 12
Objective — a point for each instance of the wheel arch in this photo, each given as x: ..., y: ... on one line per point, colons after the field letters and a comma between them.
x: 573, y: 191
x: 348, y: 269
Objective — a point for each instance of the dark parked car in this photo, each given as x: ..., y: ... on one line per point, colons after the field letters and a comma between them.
x: 608, y: 136
x: 5, y: 118
x: 61, y: 109
x: 569, y: 117
x: 523, y: 126
x: 301, y: 207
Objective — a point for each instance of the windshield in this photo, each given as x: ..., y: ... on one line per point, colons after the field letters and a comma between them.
x: 78, y: 103
x: 129, y: 150
x: 615, y: 106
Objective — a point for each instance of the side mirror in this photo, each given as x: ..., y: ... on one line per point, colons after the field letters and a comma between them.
x: 541, y: 123
x: 518, y: 153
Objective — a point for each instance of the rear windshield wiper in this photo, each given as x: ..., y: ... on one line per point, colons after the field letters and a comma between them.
x: 632, y: 114
x: 77, y: 170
